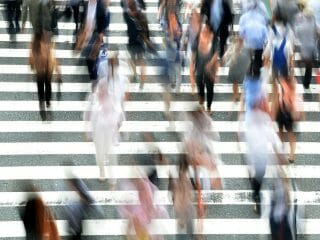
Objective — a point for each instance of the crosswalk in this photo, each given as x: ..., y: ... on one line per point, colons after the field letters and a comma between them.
x: 43, y: 151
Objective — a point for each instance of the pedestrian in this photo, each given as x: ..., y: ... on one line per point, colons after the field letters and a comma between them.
x: 38, y: 220
x: 139, y: 215
x: 137, y: 37
x: 263, y: 148
x: 237, y: 59
x: 173, y: 44
x: 253, y: 32
x: 77, y: 210
x: 281, y: 220
x: 307, y: 35
x: 90, y: 39
x: 13, y: 13
x: 204, y: 65
x: 39, y: 16
x: 288, y: 112
x: 44, y: 63
x: 105, y: 120
x: 182, y: 199
x: 278, y: 54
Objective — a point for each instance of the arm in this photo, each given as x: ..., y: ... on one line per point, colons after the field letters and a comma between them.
x: 192, y: 72
x: 160, y: 12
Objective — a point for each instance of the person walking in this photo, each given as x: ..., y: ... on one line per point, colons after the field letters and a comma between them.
x: 43, y: 62
x: 204, y: 65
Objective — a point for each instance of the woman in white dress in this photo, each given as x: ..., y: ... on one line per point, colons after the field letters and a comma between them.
x: 106, y: 114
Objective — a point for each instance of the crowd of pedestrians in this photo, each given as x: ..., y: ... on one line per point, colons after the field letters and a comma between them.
x: 262, y: 52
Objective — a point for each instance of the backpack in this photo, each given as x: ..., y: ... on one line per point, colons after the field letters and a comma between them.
x: 279, y: 60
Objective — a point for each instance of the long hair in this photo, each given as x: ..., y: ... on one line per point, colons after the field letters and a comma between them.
x: 41, y: 53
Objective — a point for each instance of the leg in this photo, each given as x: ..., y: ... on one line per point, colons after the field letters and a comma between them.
x: 210, y: 92
x: 40, y: 86
x: 200, y: 86
x: 91, y: 65
x: 76, y: 16
x: 292, y: 142
x: 9, y: 13
x: 308, y: 73
x: 224, y: 33
x: 235, y: 88
x: 142, y: 69
x: 100, y: 157
x: 167, y: 101
x: 178, y: 76
x: 17, y: 15
x: 48, y: 91
x: 111, y: 160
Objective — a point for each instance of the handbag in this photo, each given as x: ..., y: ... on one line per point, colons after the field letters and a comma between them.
x: 318, y: 77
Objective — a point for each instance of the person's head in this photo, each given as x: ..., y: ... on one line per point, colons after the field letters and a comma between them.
x: 301, y: 5
x: 278, y: 15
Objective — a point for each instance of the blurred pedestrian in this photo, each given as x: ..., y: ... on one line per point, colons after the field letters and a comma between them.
x: 38, y: 220
x: 105, y: 120
x: 204, y: 66
x: 139, y: 215
x: 13, y: 14
x: 44, y: 63
x: 40, y: 17
x: 287, y: 8
x: 182, y: 198
x: 307, y: 35
x: 77, y: 210
x: 237, y: 59
x: 90, y: 39
x: 173, y: 44
x: 280, y: 219
x: 253, y: 32
x: 138, y: 33
x: 288, y: 112
x: 263, y: 148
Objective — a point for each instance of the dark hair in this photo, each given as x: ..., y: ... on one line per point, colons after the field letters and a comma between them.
x: 278, y: 15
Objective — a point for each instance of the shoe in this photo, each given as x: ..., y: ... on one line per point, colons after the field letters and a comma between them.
x: 291, y: 160
x: 209, y: 111
x: 48, y: 105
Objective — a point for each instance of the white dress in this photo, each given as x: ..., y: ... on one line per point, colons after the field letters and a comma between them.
x: 104, y: 118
